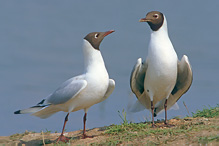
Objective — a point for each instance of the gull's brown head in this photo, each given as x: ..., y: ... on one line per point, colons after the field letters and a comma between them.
x: 155, y: 20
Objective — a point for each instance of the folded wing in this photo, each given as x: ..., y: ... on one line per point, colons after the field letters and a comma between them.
x: 110, y: 89
x: 47, y: 107
x: 68, y: 90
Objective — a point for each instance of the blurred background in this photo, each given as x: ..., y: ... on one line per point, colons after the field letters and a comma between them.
x: 41, y: 47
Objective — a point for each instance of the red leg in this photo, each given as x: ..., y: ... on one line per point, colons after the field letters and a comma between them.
x: 62, y: 137
x: 165, y: 107
x: 152, y: 110
x: 84, y: 130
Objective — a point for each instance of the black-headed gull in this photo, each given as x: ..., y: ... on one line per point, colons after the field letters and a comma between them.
x: 162, y: 79
x: 80, y: 92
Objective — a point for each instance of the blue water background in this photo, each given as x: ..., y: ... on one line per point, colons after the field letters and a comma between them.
x: 41, y: 41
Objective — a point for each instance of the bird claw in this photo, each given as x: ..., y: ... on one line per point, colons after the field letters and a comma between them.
x: 62, y: 138
x: 153, y: 126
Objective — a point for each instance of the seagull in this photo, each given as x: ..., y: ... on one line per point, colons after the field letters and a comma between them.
x: 82, y: 91
x: 160, y: 80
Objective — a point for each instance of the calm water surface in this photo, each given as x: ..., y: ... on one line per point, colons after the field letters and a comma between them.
x: 41, y: 41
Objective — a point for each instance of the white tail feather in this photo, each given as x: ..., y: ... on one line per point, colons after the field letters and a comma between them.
x: 136, y: 107
x: 46, y: 112
x: 30, y: 110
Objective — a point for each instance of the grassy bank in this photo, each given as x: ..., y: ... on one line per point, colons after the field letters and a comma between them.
x: 201, y: 128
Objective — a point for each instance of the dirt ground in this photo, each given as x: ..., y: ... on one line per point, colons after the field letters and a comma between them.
x: 101, y: 138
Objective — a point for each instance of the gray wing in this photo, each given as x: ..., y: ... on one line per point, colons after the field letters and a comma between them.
x: 137, y: 77
x: 137, y: 86
x: 69, y: 89
x: 184, y: 78
x: 110, y: 89
x: 183, y: 83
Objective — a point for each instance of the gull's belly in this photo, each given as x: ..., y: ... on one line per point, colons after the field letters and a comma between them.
x: 160, y: 81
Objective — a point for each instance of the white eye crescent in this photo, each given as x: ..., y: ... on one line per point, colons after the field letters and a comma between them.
x: 96, y: 35
x: 156, y: 16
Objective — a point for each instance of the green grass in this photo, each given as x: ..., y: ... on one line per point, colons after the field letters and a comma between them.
x: 144, y: 129
x: 207, y: 139
x: 128, y: 132
x: 123, y: 116
x: 207, y: 112
x: 20, y: 135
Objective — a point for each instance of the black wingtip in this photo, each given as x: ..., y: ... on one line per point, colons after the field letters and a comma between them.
x: 41, y: 102
x: 155, y: 115
x: 17, y: 112
x: 155, y: 112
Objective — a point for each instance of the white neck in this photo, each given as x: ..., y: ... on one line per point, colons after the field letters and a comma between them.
x: 160, y: 42
x: 93, y: 59
x: 160, y: 46
x: 161, y: 32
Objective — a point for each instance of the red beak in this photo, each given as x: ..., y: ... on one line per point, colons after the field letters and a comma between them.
x: 144, y: 20
x: 108, y: 32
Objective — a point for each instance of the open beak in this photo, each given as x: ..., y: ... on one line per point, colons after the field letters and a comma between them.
x: 108, y: 32
x: 144, y: 20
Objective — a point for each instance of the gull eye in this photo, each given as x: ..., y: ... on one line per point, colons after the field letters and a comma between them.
x: 96, y: 35
x: 156, y: 16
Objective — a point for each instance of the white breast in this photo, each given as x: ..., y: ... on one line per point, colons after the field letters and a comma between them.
x: 97, y: 79
x: 162, y: 66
